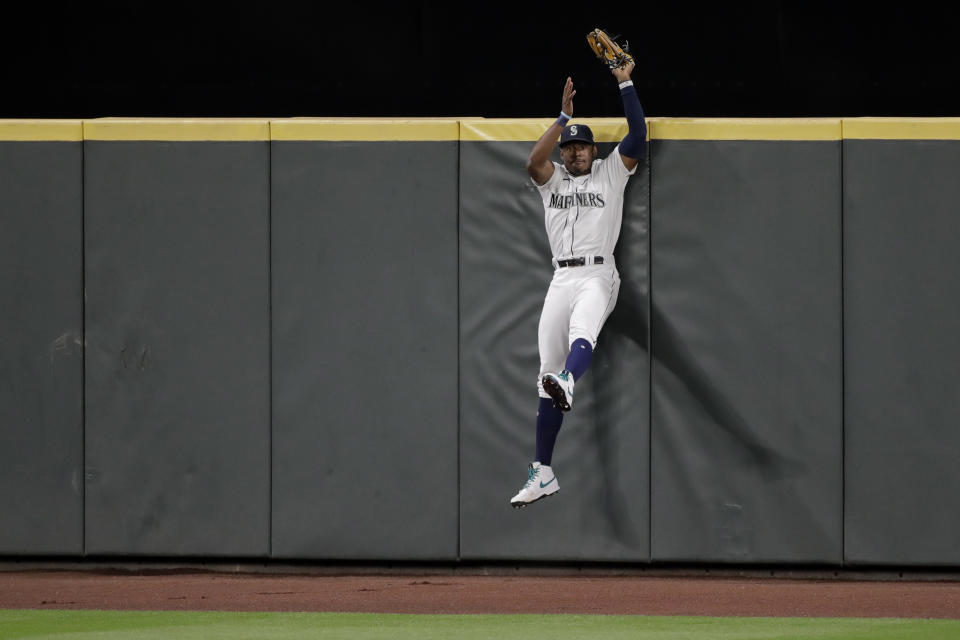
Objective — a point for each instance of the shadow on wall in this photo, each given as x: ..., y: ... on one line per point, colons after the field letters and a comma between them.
x: 639, y: 321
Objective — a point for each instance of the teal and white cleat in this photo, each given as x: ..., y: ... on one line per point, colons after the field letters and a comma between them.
x: 541, y: 482
x: 559, y: 386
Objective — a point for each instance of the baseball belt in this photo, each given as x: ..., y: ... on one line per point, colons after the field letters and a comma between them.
x: 578, y: 262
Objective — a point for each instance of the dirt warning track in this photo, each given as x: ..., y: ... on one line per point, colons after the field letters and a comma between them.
x: 642, y: 595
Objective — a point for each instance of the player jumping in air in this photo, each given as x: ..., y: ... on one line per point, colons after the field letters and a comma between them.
x: 583, y: 206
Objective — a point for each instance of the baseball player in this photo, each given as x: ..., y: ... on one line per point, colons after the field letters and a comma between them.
x: 583, y: 206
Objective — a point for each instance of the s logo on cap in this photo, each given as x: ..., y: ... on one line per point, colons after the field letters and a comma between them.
x: 573, y: 129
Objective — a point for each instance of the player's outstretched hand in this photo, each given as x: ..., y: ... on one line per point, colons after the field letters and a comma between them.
x: 623, y: 74
x: 568, y: 93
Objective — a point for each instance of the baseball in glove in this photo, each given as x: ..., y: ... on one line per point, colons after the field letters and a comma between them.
x: 612, y: 54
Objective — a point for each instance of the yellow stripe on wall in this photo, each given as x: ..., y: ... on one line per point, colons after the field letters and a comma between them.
x: 177, y: 129
x: 474, y: 129
x: 901, y: 128
x: 745, y: 128
x: 365, y: 129
x: 42, y: 130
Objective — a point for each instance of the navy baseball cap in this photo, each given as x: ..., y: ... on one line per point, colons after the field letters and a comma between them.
x: 576, y: 133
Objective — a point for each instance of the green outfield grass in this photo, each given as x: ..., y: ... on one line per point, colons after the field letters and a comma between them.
x: 216, y: 625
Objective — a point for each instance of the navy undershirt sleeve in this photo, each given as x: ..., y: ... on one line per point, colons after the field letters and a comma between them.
x: 633, y: 144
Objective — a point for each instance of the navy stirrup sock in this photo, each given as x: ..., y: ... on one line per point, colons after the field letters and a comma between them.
x: 581, y: 353
x: 549, y: 419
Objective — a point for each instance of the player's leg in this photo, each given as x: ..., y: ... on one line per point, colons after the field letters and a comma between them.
x: 551, y: 338
x: 593, y: 296
x: 560, y: 385
x: 593, y: 302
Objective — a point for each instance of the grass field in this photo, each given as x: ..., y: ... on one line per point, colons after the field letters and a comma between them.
x: 215, y: 625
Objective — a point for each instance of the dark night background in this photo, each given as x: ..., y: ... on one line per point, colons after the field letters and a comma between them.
x: 787, y: 59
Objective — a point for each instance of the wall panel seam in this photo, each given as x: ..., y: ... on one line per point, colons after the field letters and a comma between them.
x: 459, y: 347
x: 843, y: 362
x: 649, y: 353
x: 83, y: 338
x: 270, y: 341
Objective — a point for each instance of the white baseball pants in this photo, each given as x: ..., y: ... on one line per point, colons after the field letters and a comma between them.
x: 578, y: 302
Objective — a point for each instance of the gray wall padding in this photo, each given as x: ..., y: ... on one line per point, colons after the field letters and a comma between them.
x: 177, y: 377
x: 747, y: 431
x: 41, y: 353
x: 407, y: 283
x: 365, y: 350
x: 902, y: 352
x: 601, y: 459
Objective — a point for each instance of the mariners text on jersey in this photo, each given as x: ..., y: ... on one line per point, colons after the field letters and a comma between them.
x: 582, y: 214
x: 565, y: 201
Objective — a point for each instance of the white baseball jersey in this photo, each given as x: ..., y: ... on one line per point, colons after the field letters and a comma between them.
x: 583, y: 213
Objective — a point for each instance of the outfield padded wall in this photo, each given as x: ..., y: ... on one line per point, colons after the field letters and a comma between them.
x: 316, y: 339
x: 365, y: 340
x: 178, y: 353
x: 747, y: 433
x: 602, y: 449
x: 41, y: 257
x: 902, y: 353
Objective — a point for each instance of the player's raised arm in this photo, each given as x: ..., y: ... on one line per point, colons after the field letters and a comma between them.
x: 634, y: 144
x: 539, y: 165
